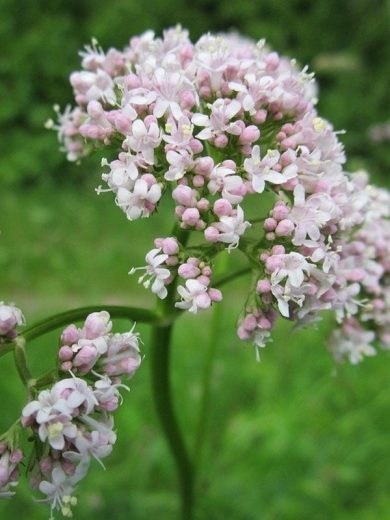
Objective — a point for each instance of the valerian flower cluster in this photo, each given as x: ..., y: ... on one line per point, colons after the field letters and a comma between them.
x: 220, y: 125
x: 71, y: 421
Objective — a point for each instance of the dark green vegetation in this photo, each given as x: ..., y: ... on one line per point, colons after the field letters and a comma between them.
x: 290, y: 438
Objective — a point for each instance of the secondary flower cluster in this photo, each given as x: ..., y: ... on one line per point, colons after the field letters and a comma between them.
x: 10, y: 318
x: 93, y: 346
x: 72, y: 420
x: 10, y: 459
x: 221, y: 126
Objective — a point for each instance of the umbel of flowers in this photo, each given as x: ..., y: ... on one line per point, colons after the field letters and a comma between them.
x: 70, y: 421
x: 219, y: 126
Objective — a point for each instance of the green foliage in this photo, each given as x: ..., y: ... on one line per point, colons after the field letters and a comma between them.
x: 345, y: 42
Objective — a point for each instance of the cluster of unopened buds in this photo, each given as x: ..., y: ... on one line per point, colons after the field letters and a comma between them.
x: 222, y: 125
x: 71, y: 421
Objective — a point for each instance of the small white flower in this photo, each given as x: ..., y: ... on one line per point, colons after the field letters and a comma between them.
x: 294, y: 265
x: 155, y: 275
x: 231, y: 228
x: 140, y: 201
x: 194, y: 296
x: 261, y: 171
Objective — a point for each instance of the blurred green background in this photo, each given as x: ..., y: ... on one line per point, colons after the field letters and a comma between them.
x: 290, y: 438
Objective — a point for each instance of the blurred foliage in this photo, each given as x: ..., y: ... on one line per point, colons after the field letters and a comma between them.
x: 345, y: 42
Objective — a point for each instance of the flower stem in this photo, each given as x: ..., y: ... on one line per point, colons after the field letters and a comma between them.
x: 21, y: 361
x: 232, y: 276
x: 162, y: 395
x: 201, y: 429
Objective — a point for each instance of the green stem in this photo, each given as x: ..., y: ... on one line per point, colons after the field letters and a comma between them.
x: 21, y: 361
x: 67, y: 317
x: 162, y: 395
x: 229, y: 277
x: 200, y: 433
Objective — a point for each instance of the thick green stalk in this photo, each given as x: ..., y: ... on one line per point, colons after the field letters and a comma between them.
x: 162, y: 394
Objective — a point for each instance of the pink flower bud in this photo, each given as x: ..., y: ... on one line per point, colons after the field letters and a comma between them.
x: 288, y: 143
x: 158, y: 242
x: 198, y: 181
x: 265, y: 324
x: 278, y: 250
x: 243, y: 334
x: 207, y: 271
x: 65, y: 353
x: 16, y: 456
x: 183, y: 195
x: 205, y: 92
x: 284, y: 228
x: 97, y: 324
x: 190, y: 216
x: 222, y: 208
x: 196, y: 146
x: 95, y: 109
x: 171, y: 261
x: 270, y: 224
x: 272, y: 61
x: 203, y: 204
x: 273, y: 263
x: 204, y: 165
x: 66, y: 365
x: 215, y: 295
x: 70, y: 335
x: 149, y: 179
x: 203, y: 301
x: 200, y: 225
x: 188, y: 270
x: 205, y: 280
x: 122, y: 124
x: 250, y: 322
x: 179, y: 210
x: 132, y: 81
x: 280, y: 212
x: 149, y: 120
x: 170, y: 246
x: 211, y: 234
x: 329, y: 296
x: 85, y: 358
x: 187, y: 99
x: 260, y: 116
x: 68, y: 467
x: 263, y: 286
x: 249, y: 135
x: 228, y: 163
x: 221, y: 141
